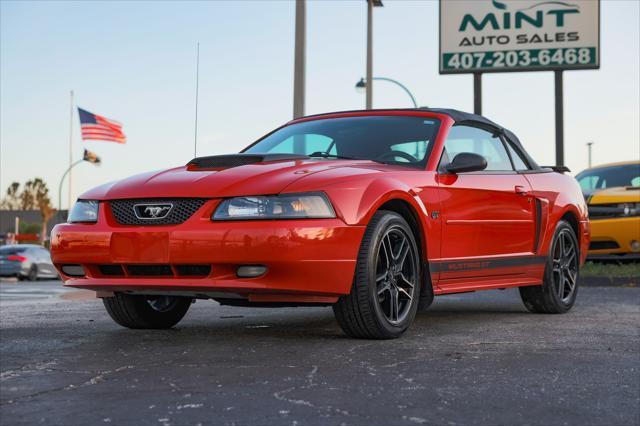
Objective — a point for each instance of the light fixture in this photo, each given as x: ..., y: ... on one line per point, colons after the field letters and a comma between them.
x: 251, y: 271
x: 73, y: 270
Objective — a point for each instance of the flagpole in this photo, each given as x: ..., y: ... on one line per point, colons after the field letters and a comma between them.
x: 195, y: 136
x: 70, y: 152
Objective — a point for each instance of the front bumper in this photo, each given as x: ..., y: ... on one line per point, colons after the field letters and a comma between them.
x: 310, y: 260
x: 614, y: 236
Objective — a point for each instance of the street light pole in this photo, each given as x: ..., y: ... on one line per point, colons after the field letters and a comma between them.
x: 362, y: 84
x: 89, y: 157
x: 369, y: 88
x: 299, y: 60
x: 369, y: 94
x: 67, y: 172
x: 589, y: 144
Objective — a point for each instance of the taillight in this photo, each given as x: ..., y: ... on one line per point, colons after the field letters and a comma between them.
x: 16, y: 258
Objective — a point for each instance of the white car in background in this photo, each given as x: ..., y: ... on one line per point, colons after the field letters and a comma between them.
x: 26, y: 262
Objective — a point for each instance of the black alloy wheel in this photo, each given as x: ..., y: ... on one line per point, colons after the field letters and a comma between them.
x: 559, y: 289
x: 386, y: 288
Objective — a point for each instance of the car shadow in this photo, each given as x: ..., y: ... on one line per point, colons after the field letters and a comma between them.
x: 446, y: 315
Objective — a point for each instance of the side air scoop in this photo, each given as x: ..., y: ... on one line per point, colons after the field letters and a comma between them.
x: 236, y: 160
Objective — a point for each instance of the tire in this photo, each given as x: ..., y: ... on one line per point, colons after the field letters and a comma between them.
x: 145, y: 312
x: 368, y: 311
x: 33, y: 273
x: 561, y: 275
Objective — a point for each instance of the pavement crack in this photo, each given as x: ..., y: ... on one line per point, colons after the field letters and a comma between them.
x: 309, y: 383
x: 100, y: 377
x: 29, y: 368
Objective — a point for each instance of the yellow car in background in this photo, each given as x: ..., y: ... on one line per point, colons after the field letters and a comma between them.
x: 612, y: 192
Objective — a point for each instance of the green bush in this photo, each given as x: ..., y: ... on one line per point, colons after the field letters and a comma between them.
x: 30, y: 228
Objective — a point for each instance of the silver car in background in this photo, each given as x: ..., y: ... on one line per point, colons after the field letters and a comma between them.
x: 26, y: 262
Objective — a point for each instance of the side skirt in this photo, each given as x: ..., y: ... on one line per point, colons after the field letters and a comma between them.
x: 457, y: 276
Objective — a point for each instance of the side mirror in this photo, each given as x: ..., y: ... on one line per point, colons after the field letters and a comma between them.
x: 467, y: 162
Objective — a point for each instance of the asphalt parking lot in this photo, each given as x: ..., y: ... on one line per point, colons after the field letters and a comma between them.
x: 472, y: 359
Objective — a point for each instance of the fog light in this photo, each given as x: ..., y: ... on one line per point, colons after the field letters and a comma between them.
x: 635, y: 245
x: 251, y: 271
x: 73, y: 270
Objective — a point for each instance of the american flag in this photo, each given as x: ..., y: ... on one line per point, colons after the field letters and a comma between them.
x: 99, y: 128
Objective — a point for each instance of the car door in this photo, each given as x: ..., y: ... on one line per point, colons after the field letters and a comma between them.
x: 487, y: 216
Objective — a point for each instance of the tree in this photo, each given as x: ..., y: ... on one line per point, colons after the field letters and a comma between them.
x: 34, y: 196
x: 36, y: 192
x: 11, y: 201
x: 29, y: 192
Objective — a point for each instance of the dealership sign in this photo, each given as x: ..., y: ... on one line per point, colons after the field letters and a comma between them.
x: 518, y: 35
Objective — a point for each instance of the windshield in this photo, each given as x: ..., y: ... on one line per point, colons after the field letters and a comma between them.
x: 12, y: 250
x: 607, y: 177
x: 386, y: 139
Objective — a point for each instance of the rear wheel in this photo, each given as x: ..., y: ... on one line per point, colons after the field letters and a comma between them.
x: 386, y: 288
x: 154, y: 312
x: 558, y: 292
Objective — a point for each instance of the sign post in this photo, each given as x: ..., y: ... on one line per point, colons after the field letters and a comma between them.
x: 479, y: 36
x: 557, y: 77
x: 477, y: 93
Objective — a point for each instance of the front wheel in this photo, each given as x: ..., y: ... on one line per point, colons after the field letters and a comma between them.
x: 33, y: 273
x: 558, y: 292
x: 386, y: 287
x: 152, y: 312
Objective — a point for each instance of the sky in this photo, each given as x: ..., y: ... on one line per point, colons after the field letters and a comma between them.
x: 135, y: 62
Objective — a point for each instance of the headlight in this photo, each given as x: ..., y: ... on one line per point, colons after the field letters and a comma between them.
x: 84, y: 211
x: 287, y: 206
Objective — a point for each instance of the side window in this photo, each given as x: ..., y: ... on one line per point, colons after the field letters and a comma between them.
x: 305, y: 144
x: 518, y: 161
x: 477, y: 141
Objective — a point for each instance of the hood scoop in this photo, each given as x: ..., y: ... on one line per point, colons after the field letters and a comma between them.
x: 236, y: 160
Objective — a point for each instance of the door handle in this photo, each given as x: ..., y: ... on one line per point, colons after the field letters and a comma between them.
x: 521, y: 190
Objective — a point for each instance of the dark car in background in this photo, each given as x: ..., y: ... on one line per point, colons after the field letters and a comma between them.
x: 26, y: 262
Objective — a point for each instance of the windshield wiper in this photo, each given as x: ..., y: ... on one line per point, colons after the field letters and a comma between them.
x: 320, y: 154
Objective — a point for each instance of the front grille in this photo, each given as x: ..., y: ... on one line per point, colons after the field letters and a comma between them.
x: 111, y: 270
x: 183, y: 209
x: 603, y: 245
x: 154, y: 270
x: 605, y: 211
x: 149, y: 270
x: 193, y: 270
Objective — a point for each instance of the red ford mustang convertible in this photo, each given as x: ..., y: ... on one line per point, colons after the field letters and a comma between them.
x: 371, y: 212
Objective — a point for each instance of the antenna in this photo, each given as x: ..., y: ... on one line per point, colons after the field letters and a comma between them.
x: 195, y: 136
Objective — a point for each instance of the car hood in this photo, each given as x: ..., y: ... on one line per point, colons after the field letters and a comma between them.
x: 628, y: 194
x: 250, y: 179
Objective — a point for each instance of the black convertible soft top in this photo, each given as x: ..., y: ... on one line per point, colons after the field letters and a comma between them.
x: 461, y: 117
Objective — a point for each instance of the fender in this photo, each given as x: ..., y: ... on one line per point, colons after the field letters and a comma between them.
x: 558, y: 195
x: 363, y: 197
